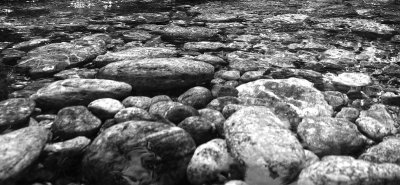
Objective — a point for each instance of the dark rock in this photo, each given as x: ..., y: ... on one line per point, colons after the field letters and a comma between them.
x: 79, y: 92
x: 75, y: 121
x: 204, y: 46
x: 76, y: 73
x: 200, y: 129
x: 348, y: 113
x: 214, y: 117
x: 15, y: 112
x: 336, y: 99
x: 11, y: 56
x: 142, y: 18
x: 135, y: 151
x: 180, y: 34
x: 158, y: 73
x: 159, y: 98
x: 220, y: 102
x: 251, y: 76
x: 211, y: 59
x: 224, y: 90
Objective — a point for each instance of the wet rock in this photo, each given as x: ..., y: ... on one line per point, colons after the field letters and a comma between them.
x: 300, y: 93
x: 79, y: 92
x: 142, y: 102
x: 352, y: 80
x: 347, y: 170
x: 204, y: 46
x: 200, y: 129
x: 251, y: 76
x: 180, y: 34
x: 159, y: 98
x: 136, y: 35
x: 224, y: 90
x: 349, y: 113
x: 141, y: 18
x: 212, y: 163
x: 230, y: 75
x: 235, y: 182
x: 53, y: 58
x: 330, y: 136
x: 158, y: 73
x: 220, y: 102
x: 386, y: 151
x: 214, y: 117
x: 216, y: 18
x: 19, y: 150
x: 132, y: 114
x: 76, y: 73
x: 15, y: 112
x: 11, y: 56
x: 197, y: 97
x: 172, y: 111
x: 28, y: 45
x: 75, y: 121
x: 336, y: 99
x: 376, y: 122
x: 287, y: 19
x: 74, y: 145
x: 105, y: 108
x: 263, y: 141
x: 245, y: 61
x: 135, y: 53
x: 211, y: 59
x: 362, y: 26
x: 132, y: 148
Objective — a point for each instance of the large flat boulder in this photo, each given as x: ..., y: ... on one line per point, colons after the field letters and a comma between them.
x: 158, y: 73
x: 77, y: 91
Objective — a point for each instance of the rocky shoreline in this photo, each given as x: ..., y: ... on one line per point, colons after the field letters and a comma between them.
x: 233, y: 93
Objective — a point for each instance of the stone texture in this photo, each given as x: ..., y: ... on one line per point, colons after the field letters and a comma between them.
x: 158, y: 73
x: 387, y: 151
x: 15, y: 112
x: 105, y: 108
x: 79, y: 92
x: 197, y: 97
x: 300, y: 93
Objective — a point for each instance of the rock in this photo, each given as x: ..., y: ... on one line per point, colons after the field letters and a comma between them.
x: 211, y: 163
x: 204, y: 46
x: 265, y: 144
x: 214, y: 117
x: 211, y: 59
x: 52, y: 58
x: 136, y: 35
x: 158, y: 73
x: 230, y: 75
x: 75, y: 121
x: 348, y: 113
x: 141, y: 18
x: 311, y: 158
x: 194, y: 33
x: 132, y: 114
x: 19, y: 149
x: 142, y: 102
x: 197, y: 97
x: 28, y: 45
x: 76, y: 73
x: 132, y: 148
x: 172, y: 111
x: 11, y: 56
x: 200, y: 129
x: 330, y: 136
x: 352, y: 80
x: 216, y: 18
x: 15, y: 112
x: 251, y: 76
x: 79, y: 92
x: 386, y: 151
x: 105, y: 108
x: 159, y: 98
x: 347, y: 170
x: 300, y: 93
x: 287, y: 19
x: 229, y: 109
x: 235, y: 182
x: 135, y: 53
x: 224, y: 90
x: 376, y: 122
x: 336, y: 99
x: 220, y: 102
x: 74, y: 145
x: 361, y: 26
x: 246, y: 61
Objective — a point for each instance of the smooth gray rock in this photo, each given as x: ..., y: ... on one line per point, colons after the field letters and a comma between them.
x: 158, y: 73
x: 79, y: 92
x: 15, y: 112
